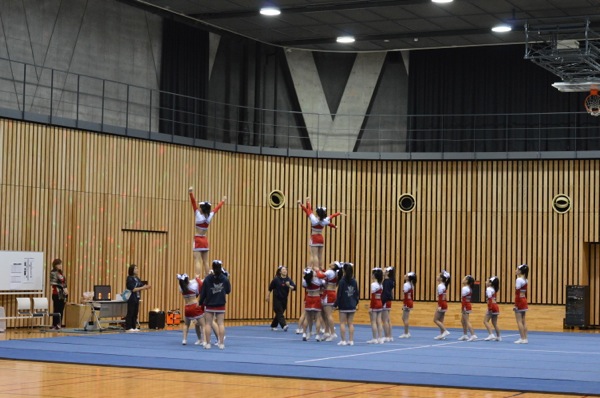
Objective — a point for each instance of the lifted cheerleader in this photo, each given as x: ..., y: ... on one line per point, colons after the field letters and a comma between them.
x: 318, y: 223
x: 203, y: 216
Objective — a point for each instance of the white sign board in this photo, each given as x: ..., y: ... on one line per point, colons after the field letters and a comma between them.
x: 21, y: 271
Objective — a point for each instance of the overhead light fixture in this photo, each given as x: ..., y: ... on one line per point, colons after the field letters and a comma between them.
x: 442, y: 1
x: 345, y: 39
x: 502, y: 28
x: 270, y: 11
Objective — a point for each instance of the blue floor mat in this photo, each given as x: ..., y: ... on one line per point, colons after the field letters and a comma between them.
x: 551, y: 362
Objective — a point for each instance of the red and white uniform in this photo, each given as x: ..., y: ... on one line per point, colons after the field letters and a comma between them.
x: 521, y: 295
x: 441, y: 294
x: 465, y: 299
x: 312, y: 299
x: 202, y: 222
x: 193, y: 310
x: 492, y: 305
x: 330, y: 282
x: 317, y: 225
x: 376, y: 290
x: 408, y: 298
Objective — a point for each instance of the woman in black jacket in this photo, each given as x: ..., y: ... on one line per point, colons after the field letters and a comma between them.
x: 281, y: 286
x: 347, y: 303
x: 213, y: 296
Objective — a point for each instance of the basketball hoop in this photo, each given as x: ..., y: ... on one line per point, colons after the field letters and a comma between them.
x: 592, y: 103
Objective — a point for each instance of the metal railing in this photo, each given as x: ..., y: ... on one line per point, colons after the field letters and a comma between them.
x: 45, y: 95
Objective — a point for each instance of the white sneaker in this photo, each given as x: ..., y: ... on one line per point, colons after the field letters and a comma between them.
x: 130, y: 331
x: 473, y: 338
x: 445, y: 334
x: 334, y: 336
x: 464, y: 337
x: 221, y: 346
x: 199, y: 342
x: 330, y: 338
x: 285, y: 328
x: 304, y: 337
x: 274, y: 329
x: 299, y: 331
x: 491, y: 337
x: 404, y: 336
x: 183, y: 342
x: 342, y: 343
x: 351, y: 342
x: 523, y: 341
x: 318, y: 337
x: 207, y: 346
x: 498, y: 338
x: 381, y: 340
x: 373, y: 341
x: 518, y: 341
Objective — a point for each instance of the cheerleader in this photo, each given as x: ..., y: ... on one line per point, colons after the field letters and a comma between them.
x: 312, y: 302
x: 443, y: 280
x: 330, y: 281
x: 213, y: 296
x: 409, y: 293
x: 376, y: 306
x: 203, y: 217
x: 193, y: 312
x: 521, y: 302
x: 318, y: 223
x: 491, y: 288
x: 389, y: 284
x: 347, y: 303
x: 466, y: 293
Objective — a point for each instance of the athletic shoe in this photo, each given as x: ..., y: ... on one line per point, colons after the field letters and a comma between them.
x: 200, y: 342
x: 518, y: 341
x: 319, y: 337
x: 335, y: 336
x: 330, y: 338
x: 381, y: 340
x: 221, y: 346
x: 464, y: 337
x: 285, y: 328
x: 473, y: 338
x: 274, y: 329
x: 498, y: 338
x: 130, y: 331
x: 351, y: 342
x: 299, y: 331
x: 445, y: 334
x: 304, y: 337
x: 136, y: 330
x: 404, y: 336
x: 373, y: 341
x: 491, y: 337
x: 342, y: 343
x: 523, y: 341
x: 184, y: 342
x: 439, y: 337
x: 207, y: 346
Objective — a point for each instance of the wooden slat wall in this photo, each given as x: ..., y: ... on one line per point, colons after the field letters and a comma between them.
x: 101, y: 202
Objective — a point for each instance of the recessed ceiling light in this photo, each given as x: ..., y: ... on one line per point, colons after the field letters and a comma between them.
x: 503, y: 28
x: 270, y: 11
x: 345, y: 39
x: 442, y: 1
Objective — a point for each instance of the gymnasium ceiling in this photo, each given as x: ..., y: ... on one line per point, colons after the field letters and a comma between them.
x: 376, y: 24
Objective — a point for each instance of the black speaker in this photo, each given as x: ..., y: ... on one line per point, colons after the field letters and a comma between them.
x: 577, y: 308
x: 156, y: 320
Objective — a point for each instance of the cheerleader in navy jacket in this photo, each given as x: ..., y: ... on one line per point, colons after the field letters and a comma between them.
x: 443, y: 280
x: 466, y: 293
x: 312, y: 301
x: 347, y: 303
x: 521, y: 306
x: 491, y: 289
x: 213, y: 296
x: 193, y: 312
x: 376, y: 306
x: 318, y: 223
x: 409, y: 294
x: 281, y: 286
x: 203, y: 216
x: 389, y: 284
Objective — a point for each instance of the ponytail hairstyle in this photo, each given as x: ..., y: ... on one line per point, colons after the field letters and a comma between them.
x: 217, y: 267
x: 445, y: 277
x: 308, y: 275
x: 412, y: 277
x: 205, y: 208
x: 391, y: 273
x: 524, y: 269
x: 339, y: 269
x: 495, y: 282
x: 321, y: 212
x: 278, y: 273
x: 348, y: 271
x: 184, y: 281
x: 470, y: 281
x: 377, y: 274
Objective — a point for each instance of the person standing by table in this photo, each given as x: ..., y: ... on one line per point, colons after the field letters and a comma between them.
x: 58, y: 281
x: 135, y: 285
